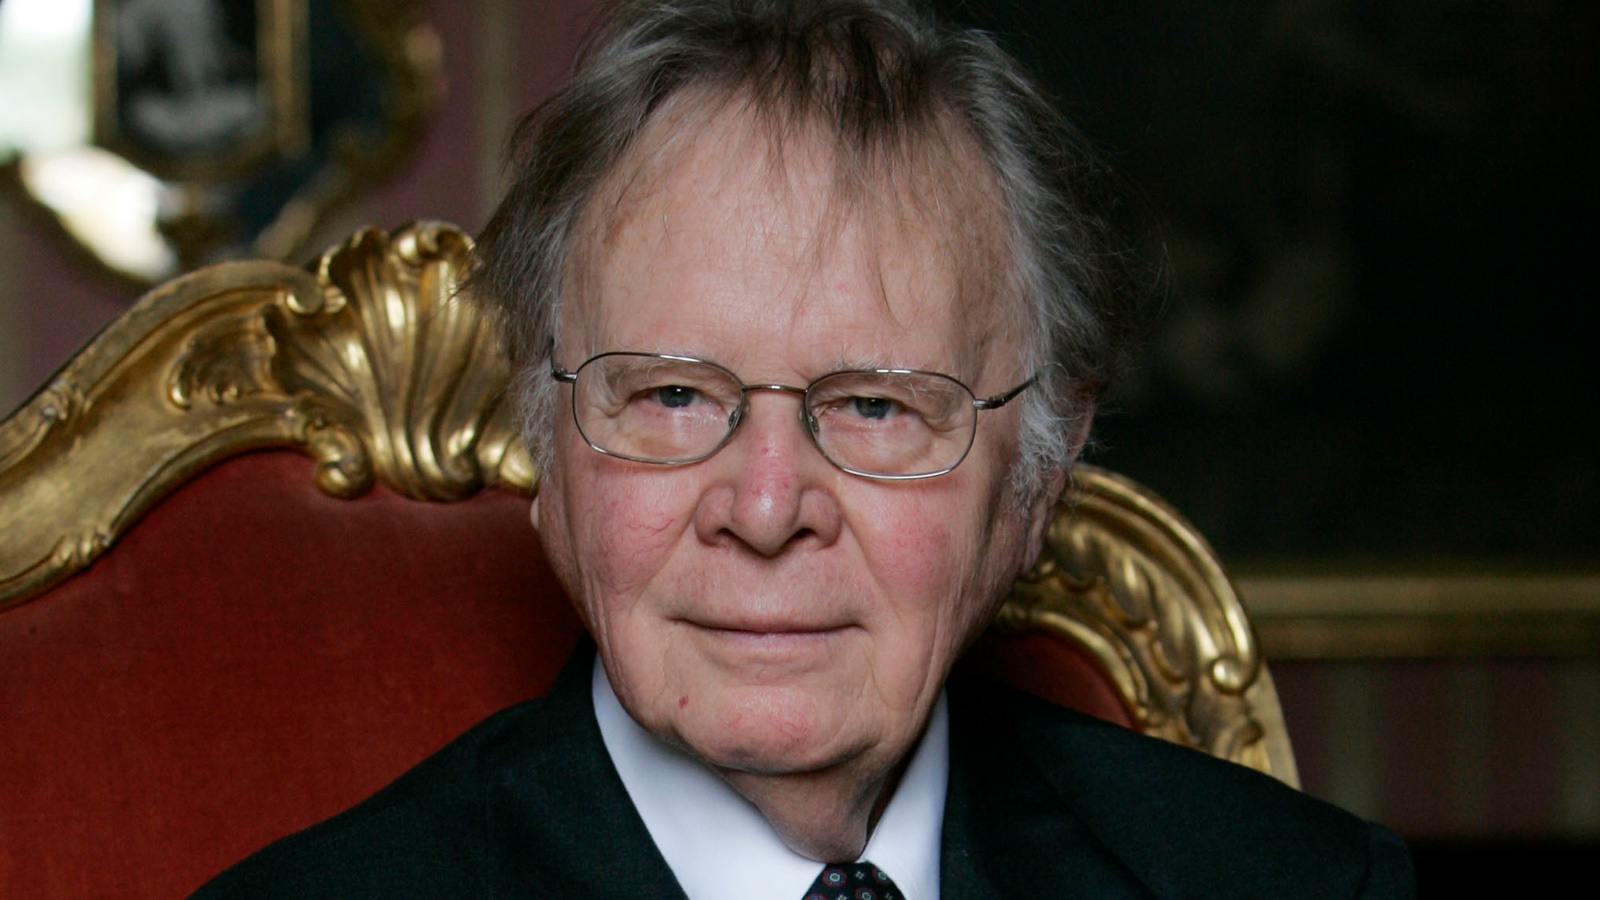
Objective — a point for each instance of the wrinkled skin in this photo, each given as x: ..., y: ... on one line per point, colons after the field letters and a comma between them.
x: 789, y: 624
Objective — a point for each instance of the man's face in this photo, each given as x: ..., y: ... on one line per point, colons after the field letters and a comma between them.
x: 762, y: 608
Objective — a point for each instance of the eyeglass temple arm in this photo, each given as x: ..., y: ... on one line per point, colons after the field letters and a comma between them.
x: 556, y: 372
x: 1000, y: 400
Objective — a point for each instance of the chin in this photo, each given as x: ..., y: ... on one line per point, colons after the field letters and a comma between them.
x: 770, y: 732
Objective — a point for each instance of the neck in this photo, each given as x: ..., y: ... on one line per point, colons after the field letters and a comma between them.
x: 827, y: 815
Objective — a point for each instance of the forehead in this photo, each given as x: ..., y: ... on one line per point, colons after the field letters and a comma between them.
x: 714, y: 230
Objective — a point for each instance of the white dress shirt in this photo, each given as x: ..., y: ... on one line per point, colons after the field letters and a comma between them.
x: 721, y: 848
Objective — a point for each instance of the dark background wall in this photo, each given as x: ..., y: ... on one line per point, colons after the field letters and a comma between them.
x: 1371, y: 227
x: 1377, y: 225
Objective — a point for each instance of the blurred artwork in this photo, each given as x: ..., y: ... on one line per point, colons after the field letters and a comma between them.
x: 162, y: 135
x: 197, y: 81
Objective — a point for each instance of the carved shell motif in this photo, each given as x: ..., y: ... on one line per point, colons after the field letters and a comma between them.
x: 1129, y: 579
x: 393, y: 373
x: 372, y: 363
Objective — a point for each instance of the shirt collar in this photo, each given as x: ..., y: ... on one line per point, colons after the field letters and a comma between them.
x: 720, y: 847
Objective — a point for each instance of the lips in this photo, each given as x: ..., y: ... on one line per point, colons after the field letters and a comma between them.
x: 757, y: 625
x: 761, y: 613
x: 769, y: 619
x: 767, y: 632
x: 768, y: 642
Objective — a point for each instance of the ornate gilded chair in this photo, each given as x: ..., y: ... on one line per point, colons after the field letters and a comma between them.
x: 265, y: 546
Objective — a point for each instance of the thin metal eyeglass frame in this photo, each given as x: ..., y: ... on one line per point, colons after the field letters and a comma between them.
x: 808, y: 422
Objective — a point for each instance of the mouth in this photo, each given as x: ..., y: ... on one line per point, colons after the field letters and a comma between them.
x: 769, y: 642
x: 758, y: 631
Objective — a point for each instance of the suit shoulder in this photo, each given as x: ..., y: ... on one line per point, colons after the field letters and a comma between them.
x: 418, y: 836
x: 1180, y: 818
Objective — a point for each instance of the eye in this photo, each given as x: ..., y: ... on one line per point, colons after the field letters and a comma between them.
x: 674, y: 396
x: 874, y: 407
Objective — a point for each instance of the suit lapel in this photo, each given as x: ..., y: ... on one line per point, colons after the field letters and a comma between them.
x: 559, y: 818
x: 1007, y: 833
x: 560, y: 823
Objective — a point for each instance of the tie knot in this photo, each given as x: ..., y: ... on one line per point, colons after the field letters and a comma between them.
x: 852, y: 881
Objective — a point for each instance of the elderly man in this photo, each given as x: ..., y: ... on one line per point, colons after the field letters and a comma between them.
x: 808, y: 325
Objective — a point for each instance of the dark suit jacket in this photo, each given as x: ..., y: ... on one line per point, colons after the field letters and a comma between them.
x: 1042, y: 803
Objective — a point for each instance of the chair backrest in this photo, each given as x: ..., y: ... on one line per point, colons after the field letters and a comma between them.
x: 265, y: 546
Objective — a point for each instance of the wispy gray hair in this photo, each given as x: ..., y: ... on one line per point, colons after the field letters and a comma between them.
x: 880, y: 76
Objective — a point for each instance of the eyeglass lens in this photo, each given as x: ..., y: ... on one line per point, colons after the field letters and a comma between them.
x: 662, y: 410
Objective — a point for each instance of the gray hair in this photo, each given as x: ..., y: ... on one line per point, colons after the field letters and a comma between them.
x: 878, y: 75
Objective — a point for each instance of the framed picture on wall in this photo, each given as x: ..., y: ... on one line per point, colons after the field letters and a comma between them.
x: 201, y: 88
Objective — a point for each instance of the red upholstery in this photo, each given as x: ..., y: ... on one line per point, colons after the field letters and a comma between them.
x: 1048, y: 666
x: 254, y: 656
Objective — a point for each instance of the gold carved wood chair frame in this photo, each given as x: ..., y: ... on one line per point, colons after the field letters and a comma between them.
x: 373, y: 365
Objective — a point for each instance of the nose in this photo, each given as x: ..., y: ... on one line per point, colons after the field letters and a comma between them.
x: 772, y: 487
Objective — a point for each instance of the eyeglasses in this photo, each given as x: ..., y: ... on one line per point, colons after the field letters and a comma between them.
x: 675, y: 410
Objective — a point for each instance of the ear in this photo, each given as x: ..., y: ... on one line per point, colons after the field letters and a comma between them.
x: 1080, y: 426
x: 1040, y: 514
x: 539, y: 486
x: 545, y: 484
x: 1043, y: 510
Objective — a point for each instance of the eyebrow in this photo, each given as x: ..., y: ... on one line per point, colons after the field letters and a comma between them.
x: 844, y: 362
x: 840, y: 362
x: 949, y: 366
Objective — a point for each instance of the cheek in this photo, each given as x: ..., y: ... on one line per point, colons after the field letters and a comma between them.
x: 930, y: 557
x: 608, y: 532
x: 919, y: 549
x: 626, y: 529
x: 946, y: 561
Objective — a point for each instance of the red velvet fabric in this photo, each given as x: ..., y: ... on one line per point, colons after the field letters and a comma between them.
x: 1047, y: 666
x: 254, y: 656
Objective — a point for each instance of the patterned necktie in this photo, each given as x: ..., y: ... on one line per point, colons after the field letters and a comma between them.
x: 852, y: 881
